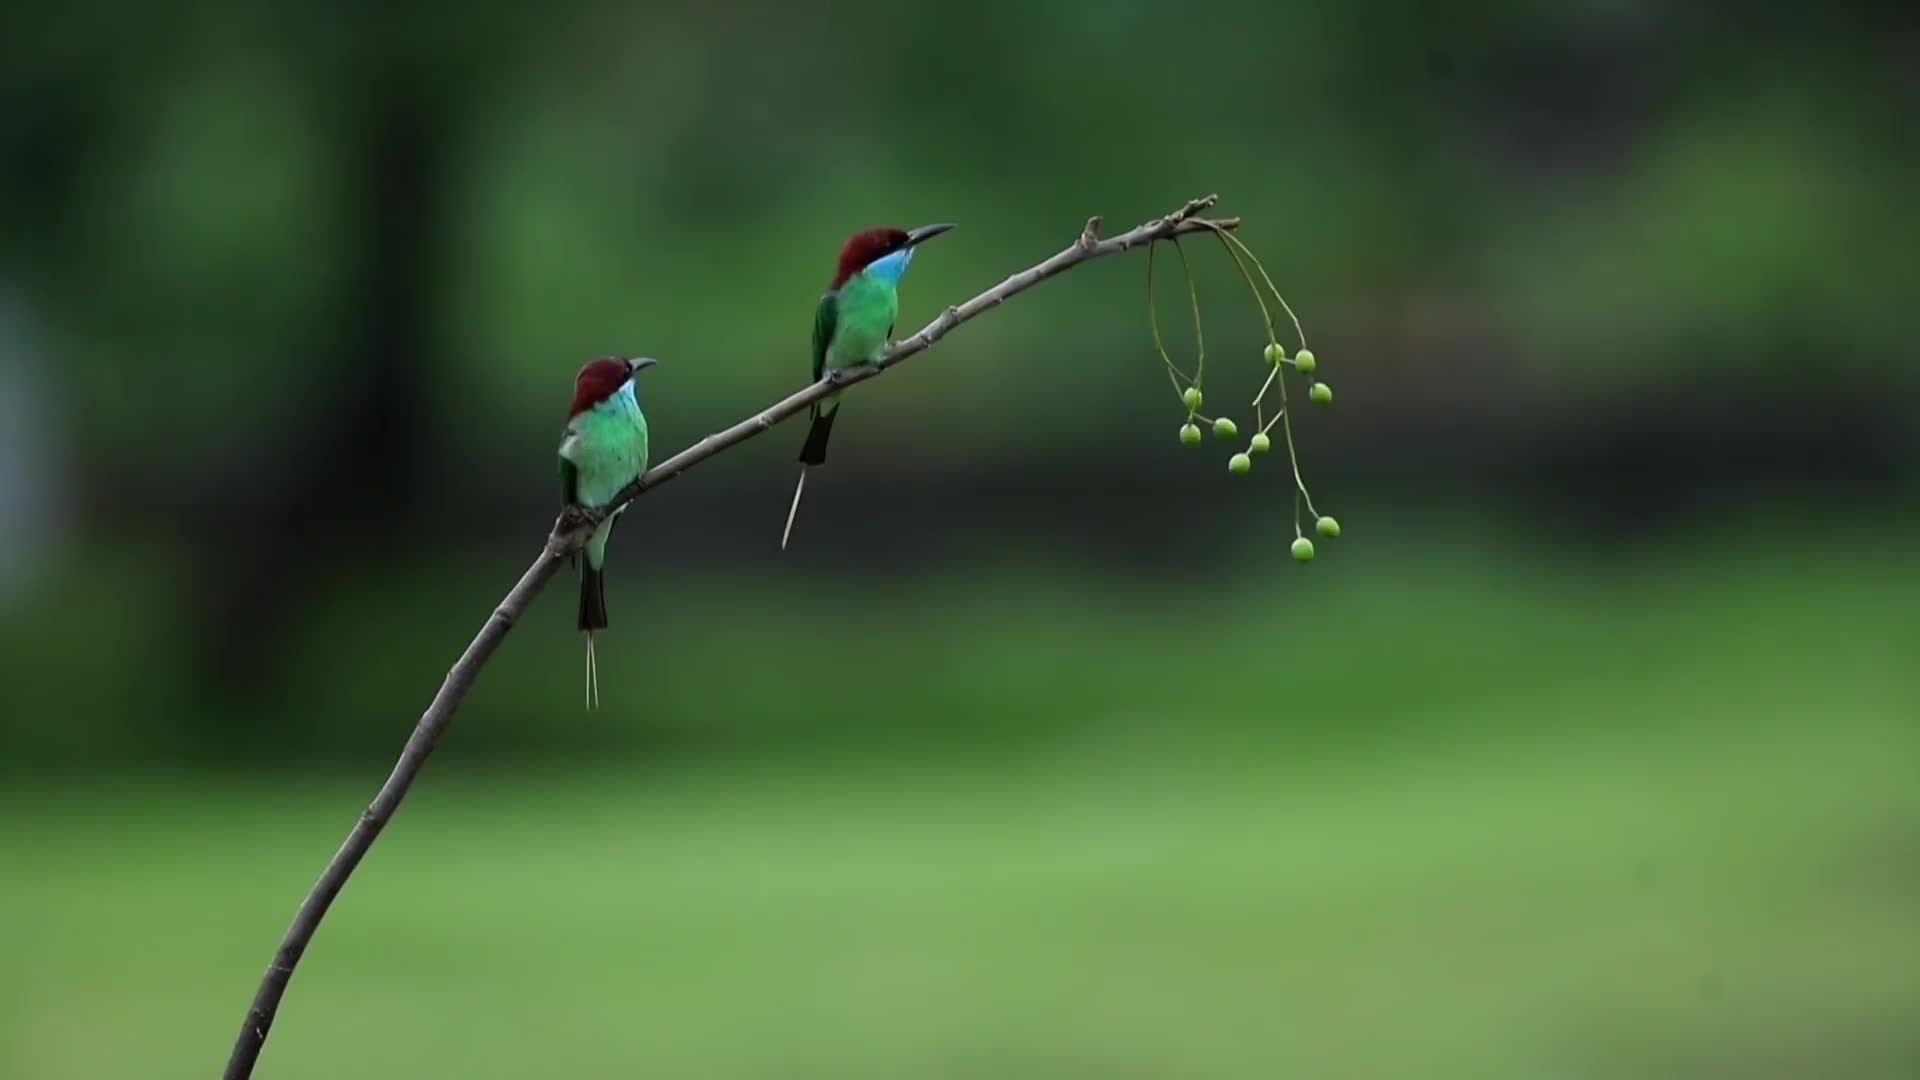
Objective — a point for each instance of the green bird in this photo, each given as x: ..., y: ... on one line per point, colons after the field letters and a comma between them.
x: 603, y: 450
x: 854, y: 325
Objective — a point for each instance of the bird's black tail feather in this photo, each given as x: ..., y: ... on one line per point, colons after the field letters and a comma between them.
x: 814, y: 450
x: 593, y: 597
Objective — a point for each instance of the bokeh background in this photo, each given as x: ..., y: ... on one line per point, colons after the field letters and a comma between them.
x: 1589, y: 751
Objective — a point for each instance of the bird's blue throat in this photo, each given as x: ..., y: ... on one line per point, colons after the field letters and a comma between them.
x: 888, y: 268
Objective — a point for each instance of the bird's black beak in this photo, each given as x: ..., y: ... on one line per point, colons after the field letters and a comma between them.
x: 638, y: 363
x: 925, y: 232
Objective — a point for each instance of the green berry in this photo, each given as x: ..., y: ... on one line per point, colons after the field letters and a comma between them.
x: 1275, y: 353
x: 1223, y: 429
x: 1303, y: 550
x: 1189, y: 434
x: 1191, y: 397
x: 1322, y: 394
x: 1261, y: 444
x: 1239, y: 464
x: 1327, y: 527
x: 1303, y: 362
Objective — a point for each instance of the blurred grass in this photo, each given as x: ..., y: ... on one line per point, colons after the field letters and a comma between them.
x: 1599, y: 907
x: 1480, y: 820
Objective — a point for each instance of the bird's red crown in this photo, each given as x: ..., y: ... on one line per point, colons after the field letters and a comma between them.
x: 597, y: 381
x: 863, y: 247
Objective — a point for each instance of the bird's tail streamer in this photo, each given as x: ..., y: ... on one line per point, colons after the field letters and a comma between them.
x: 593, y: 673
x: 794, y: 509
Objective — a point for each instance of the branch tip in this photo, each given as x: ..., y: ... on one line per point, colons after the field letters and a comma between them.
x: 1194, y: 206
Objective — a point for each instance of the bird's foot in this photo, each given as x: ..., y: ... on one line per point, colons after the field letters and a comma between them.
x: 839, y: 376
x: 572, y: 518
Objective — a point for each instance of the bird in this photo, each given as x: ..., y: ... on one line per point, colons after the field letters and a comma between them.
x: 853, y: 325
x: 603, y: 449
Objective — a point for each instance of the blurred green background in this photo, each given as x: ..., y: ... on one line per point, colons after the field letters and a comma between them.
x: 1589, y: 751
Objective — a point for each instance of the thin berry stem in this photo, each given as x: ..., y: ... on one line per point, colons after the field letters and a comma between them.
x: 1199, y: 331
x: 1235, y: 242
x: 1174, y: 371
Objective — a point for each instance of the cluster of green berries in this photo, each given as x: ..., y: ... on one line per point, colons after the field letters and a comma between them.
x: 1326, y: 526
x: 1223, y: 428
x: 1190, y: 431
x: 1241, y: 463
x: 1304, y: 363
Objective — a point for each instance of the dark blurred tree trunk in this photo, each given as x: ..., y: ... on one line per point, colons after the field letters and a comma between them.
x: 359, y: 461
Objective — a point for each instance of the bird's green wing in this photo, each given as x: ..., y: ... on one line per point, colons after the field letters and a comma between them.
x: 824, y: 318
